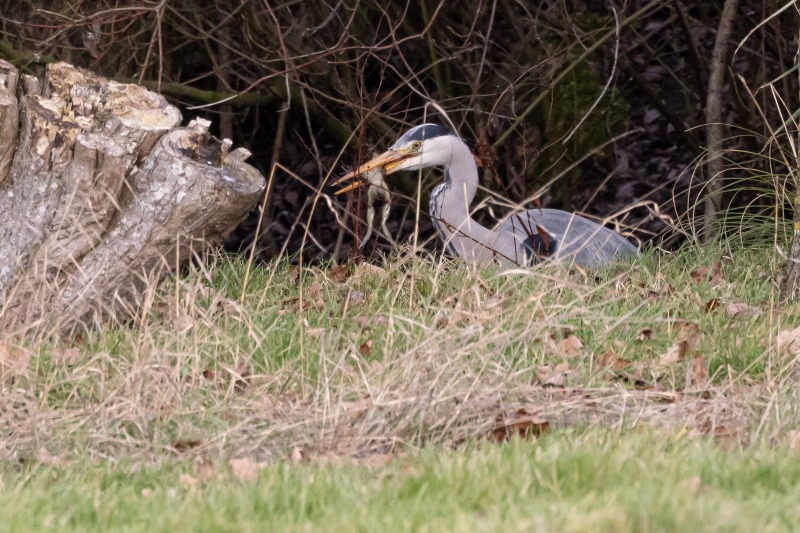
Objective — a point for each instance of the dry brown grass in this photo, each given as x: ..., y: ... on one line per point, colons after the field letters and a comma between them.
x: 361, y: 371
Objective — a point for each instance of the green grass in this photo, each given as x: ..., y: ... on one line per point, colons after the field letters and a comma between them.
x: 423, y: 365
x: 571, y: 480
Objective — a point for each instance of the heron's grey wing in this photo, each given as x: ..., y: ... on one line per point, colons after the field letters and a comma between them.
x: 560, y: 235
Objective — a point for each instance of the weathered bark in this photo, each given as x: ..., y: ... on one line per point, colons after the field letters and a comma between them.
x: 9, y: 116
x: 104, y: 196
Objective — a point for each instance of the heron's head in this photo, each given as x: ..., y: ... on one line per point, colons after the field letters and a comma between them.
x: 423, y: 146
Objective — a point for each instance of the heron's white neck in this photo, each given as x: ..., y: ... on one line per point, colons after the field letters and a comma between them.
x: 460, y: 185
x: 450, y: 213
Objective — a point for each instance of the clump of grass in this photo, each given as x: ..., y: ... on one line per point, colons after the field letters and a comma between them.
x: 351, y: 360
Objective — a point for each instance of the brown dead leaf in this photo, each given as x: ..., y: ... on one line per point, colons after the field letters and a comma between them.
x: 365, y: 349
x: 339, y: 273
x: 610, y: 360
x: 183, y: 444
x: 297, y: 455
x: 699, y: 274
x: 688, y: 337
x: 245, y: 469
x: 645, y: 335
x: 569, y: 347
x: 521, y: 424
x: 672, y: 356
x: 553, y: 377
x: 716, y: 277
x: 314, y: 290
x: 788, y: 341
x: 699, y: 373
x: 368, y: 269
x: 738, y: 310
x: 635, y: 376
x: 712, y: 304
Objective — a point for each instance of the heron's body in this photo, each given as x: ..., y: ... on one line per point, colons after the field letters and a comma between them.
x: 522, y: 238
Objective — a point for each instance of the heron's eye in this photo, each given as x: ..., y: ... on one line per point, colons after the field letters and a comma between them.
x: 416, y: 145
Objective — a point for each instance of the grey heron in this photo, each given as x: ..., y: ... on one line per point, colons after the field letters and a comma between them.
x: 522, y: 238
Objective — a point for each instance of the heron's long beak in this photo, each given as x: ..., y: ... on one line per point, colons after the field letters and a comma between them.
x: 388, y: 160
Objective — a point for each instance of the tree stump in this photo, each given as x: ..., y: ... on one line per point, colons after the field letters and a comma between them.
x: 101, y: 195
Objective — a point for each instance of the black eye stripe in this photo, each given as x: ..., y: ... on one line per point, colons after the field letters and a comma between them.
x: 425, y: 131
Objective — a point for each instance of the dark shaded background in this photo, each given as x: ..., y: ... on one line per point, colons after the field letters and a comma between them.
x: 317, y: 86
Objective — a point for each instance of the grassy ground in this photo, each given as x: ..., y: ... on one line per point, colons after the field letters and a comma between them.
x: 653, y: 396
x: 569, y: 480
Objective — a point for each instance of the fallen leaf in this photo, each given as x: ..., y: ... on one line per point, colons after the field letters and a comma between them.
x: 788, y: 341
x: 241, y: 377
x: 610, y: 360
x: 368, y: 269
x: 736, y: 310
x: 645, y: 335
x: 699, y: 373
x: 245, y: 469
x: 314, y: 290
x: 553, y: 377
x: 699, y: 274
x: 672, y: 356
x: 635, y: 376
x: 570, y: 347
x: 712, y: 304
x: 297, y: 455
x: 716, y: 277
x: 365, y: 349
x: 339, y: 273
x: 185, y: 444
x: 688, y: 337
x: 520, y: 424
